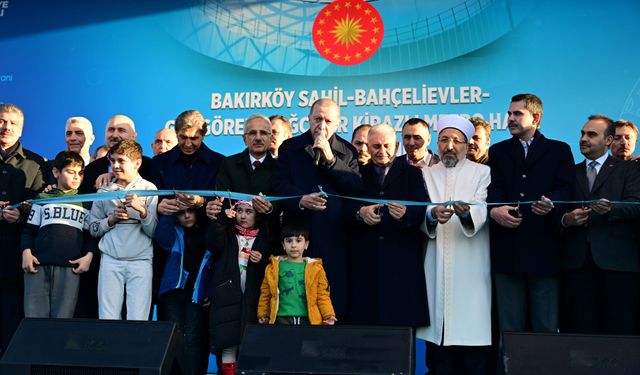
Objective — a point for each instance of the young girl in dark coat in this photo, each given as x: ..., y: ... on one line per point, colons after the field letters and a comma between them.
x: 240, y: 247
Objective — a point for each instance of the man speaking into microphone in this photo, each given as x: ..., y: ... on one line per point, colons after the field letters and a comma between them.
x: 319, y: 157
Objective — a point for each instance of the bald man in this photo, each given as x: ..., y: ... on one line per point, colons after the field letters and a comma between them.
x: 164, y: 141
x: 119, y: 128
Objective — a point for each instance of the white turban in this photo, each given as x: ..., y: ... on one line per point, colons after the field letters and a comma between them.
x: 457, y: 122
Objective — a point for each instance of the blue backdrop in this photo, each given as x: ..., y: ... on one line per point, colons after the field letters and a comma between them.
x: 153, y: 59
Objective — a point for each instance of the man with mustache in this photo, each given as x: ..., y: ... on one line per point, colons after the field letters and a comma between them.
x: 78, y: 135
x: 319, y: 157
x: 525, y: 239
x: 250, y: 171
x: 479, y: 143
x: 359, y: 141
x: 21, y: 178
x: 119, y: 128
x: 457, y: 264
x: 280, y: 131
x: 601, y: 258
x: 624, y: 140
x: 416, y: 136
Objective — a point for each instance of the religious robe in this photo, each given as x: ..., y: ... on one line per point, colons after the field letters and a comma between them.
x: 457, y: 263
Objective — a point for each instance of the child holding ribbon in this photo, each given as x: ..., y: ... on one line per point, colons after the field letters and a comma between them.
x: 240, y: 245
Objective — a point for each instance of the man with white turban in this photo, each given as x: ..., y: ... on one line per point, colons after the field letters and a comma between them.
x: 457, y: 263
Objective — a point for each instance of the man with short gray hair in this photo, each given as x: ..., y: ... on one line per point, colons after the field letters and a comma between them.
x: 250, y: 171
x: 78, y: 135
x: 21, y: 178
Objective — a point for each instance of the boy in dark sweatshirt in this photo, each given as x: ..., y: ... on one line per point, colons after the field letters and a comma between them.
x: 56, y: 245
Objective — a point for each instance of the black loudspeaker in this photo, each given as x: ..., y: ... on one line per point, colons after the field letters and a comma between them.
x: 88, y: 347
x: 289, y: 349
x: 567, y: 354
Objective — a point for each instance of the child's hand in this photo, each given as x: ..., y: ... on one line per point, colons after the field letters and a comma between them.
x: 263, y: 320
x: 83, y: 264
x: 48, y: 188
x: 131, y: 200
x: 255, y: 256
x: 330, y: 321
x: 119, y: 213
x: 29, y: 262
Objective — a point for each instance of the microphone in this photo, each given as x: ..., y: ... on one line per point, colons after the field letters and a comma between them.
x: 317, y: 155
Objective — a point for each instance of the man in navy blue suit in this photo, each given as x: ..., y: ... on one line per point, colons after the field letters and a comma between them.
x: 319, y: 157
x: 525, y: 239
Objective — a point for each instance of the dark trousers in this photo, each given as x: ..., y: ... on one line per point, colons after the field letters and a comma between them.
x: 454, y: 360
x: 599, y: 301
x: 191, y: 321
x: 526, y: 303
x: 11, y: 294
x: 522, y: 296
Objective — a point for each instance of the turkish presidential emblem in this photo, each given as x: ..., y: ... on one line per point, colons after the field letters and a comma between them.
x: 348, y: 32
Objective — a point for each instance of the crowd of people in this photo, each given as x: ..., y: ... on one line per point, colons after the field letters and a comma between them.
x: 460, y: 244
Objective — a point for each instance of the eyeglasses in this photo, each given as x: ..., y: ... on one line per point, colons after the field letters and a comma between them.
x: 446, y: 140
x: 255, y: 133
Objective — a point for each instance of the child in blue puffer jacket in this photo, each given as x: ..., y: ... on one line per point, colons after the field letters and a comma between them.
x: 182, y: 287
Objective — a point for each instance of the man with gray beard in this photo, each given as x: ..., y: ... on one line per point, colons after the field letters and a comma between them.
x: 457, y: 263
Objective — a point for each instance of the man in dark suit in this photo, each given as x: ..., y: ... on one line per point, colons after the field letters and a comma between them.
x: 601, y: 256
x: 250, y: 171
x: 525, y: 239
x: 386, y: 254
x: 21, y: 178
x: 189, y: 166
x: 315, y: 158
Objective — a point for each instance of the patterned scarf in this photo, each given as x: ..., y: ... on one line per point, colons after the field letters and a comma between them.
x: 246, y: 232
